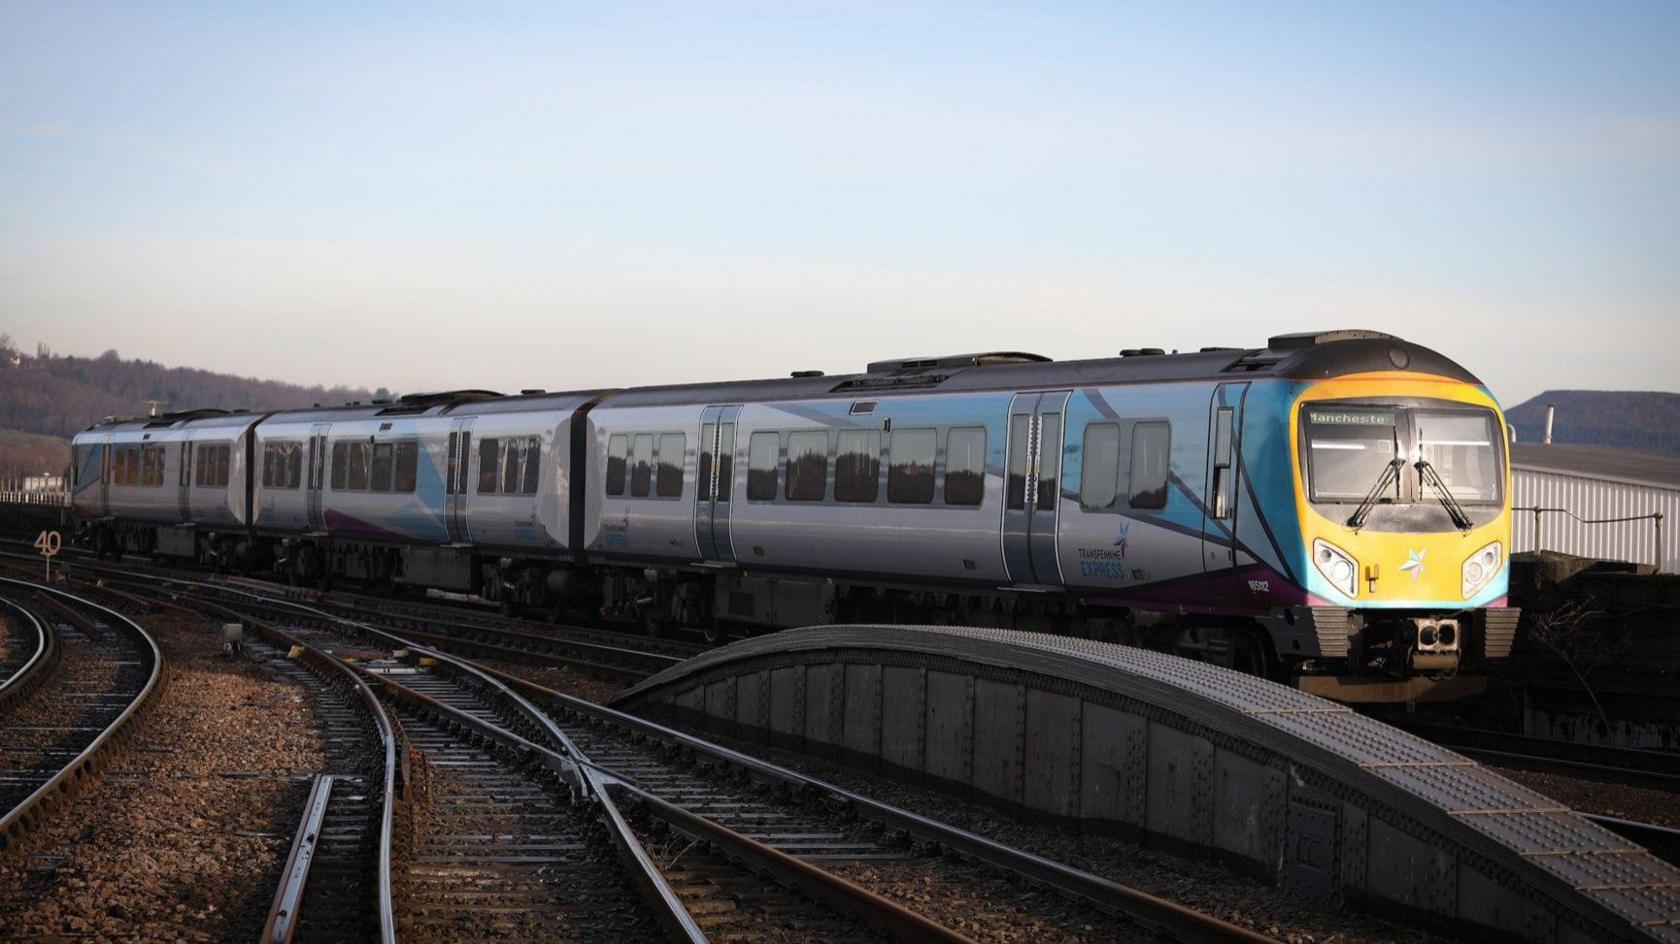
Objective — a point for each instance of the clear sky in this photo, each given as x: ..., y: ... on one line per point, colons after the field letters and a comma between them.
x: 484, y: 194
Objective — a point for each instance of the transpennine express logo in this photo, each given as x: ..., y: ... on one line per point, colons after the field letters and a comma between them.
x: 1121, y: 541
x: 1414, y: 564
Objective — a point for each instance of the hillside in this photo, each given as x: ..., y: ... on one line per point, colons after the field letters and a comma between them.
x: 1628, y: 419
x: 59, y: 396
x: 31, y: 454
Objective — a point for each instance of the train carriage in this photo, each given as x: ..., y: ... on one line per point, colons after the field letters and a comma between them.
x: 1333, y: 507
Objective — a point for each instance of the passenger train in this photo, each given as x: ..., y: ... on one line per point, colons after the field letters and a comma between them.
x: 1332, y: 509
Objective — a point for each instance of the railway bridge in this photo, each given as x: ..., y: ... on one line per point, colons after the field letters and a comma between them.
x: 1301, y: 791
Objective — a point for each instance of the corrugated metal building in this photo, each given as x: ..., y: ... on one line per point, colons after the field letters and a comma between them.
x: 1583, y: 490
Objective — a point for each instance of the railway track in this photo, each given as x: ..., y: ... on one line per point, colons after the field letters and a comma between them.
x: 696, y: 825
x: 64, y: 718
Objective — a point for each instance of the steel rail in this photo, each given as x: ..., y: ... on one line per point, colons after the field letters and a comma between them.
x: 1168, y: 917
x: 326, y: 667
x: 40, y: 661
x: 294, y: 879
x: 86, y: 763
x: 668, y: 908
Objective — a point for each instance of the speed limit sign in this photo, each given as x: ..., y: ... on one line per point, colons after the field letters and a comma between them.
x: 49, y: 543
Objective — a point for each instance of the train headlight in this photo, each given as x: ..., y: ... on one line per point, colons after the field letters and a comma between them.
x: 1337, y: 566
x: 1480, y: 567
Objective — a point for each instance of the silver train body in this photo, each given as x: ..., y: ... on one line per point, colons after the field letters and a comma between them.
x: 1153, y: 498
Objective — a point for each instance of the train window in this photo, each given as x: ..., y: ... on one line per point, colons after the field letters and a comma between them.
x: 965, y: 466
x: 1099, y: 470
x: 340, y: 464
x: 703, y: 464
x: 203, y: 465
x: 514, y: 454
x: 1460, y: 447
x: 857, y: 465
x: 910, y: 475
x: 762, y: 450
x: 1016, y: 498
x: 618, y: 451
x: 408, y: 466
x: 641, y: 465
x: 268, y: 465
x: 1050, y: 463
x: 222, y: 455
x: 671, y: 449
x: 1151, y: 464
x: 489, y: 465
x: 1349, y: 450
x: 807, y: 465
x: 358, y: 466
x: 379, y: 479
x: 533, y: 466
x: 294, y: 464
x: 186, y: 463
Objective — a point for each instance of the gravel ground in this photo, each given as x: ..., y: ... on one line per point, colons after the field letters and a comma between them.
x: 1197, y: 884
x: 560, y: 678
x: 1603, y: 797
x: 185, y: 838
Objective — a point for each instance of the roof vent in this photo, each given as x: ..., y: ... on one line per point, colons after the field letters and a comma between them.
x: 1141, y: 352
x: 986, y: 359
x: 806, y: 373
x: 421, y: 402
x: 1285, y: 342
x: 531, y: 391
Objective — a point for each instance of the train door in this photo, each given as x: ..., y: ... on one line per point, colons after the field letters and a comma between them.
x: 455, y: 482
x: 716, y: 474
x: 316, y: 480
x: 184, y: 484
x: 1223, y: 492
x: 105, y: 461
x: 1032, y: 487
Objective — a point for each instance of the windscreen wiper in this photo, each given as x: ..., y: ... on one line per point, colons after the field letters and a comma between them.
x: 1390, y: 474
x: 1428, y: 475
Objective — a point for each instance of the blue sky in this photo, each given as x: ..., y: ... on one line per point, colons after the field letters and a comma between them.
x: 429, y: 195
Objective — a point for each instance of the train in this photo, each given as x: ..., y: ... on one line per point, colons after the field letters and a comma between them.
x: 1332, y: 509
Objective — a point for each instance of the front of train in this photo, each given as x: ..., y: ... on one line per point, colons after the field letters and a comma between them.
x: 1404, y: 501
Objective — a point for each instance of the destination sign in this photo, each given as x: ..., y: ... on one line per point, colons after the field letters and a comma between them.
x: 1350, y: 418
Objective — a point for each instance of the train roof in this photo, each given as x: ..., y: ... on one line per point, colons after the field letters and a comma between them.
x: 1307, y: 356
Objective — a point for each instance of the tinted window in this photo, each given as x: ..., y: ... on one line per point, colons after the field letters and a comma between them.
x: 618, y: 449
x: 340, y: 463
x: 1099, y: 471
x: 857, y: 465
x: 222, y: 465
x: 294, y: 464
x: 965, y: 466
x: 408, y: 466
x: 358, y: 465
x: 1050, y: 459
x: 513, y: 454
x: 1151, y: 461
x: 807, y: 472
x: 910, y: 478
x: 268, y: 465
x: 641, y: 465
x: 703, y: 464
x: 533, y: 466
x: 1016, y: 497
x: 380, y: 476
x: 489, y: 465
x: 762, y: 450
x: 671, y: 448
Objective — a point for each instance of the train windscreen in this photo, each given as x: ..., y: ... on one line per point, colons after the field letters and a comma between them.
x: 1348, y: 451
x: 1461, y: 448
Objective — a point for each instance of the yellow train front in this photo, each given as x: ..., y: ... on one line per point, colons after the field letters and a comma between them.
x: 1402, y: 500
